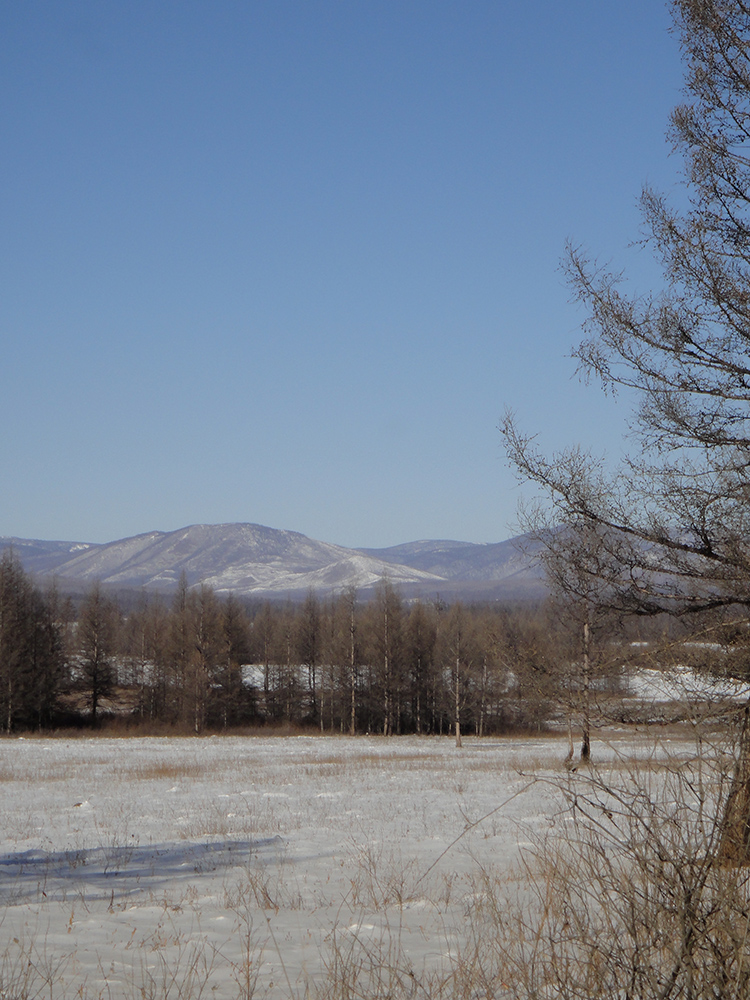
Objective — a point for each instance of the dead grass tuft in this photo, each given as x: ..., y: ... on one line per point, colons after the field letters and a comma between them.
x: 169, y: 771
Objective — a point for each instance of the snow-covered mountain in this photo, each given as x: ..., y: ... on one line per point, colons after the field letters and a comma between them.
x: 249, y: 559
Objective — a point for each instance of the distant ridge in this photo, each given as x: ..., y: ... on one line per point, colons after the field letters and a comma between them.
x: 460, y: 560
x: 253, y: 560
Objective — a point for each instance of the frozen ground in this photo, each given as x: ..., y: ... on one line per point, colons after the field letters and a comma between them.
x: 225, y: 866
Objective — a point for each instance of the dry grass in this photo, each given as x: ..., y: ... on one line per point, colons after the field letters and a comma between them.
x: 168, y: 771
x: 489, y: 929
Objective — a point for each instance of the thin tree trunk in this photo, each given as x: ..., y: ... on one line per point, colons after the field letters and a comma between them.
x: 386, y: 678
x: 483, y: 702
x: 266, y: 683
x: 458, y: 703
x: 419, y: 696
x: 586, y: 696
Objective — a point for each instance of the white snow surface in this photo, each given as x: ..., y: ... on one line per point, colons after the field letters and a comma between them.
x: 684, y: 684
x: 129, y: 863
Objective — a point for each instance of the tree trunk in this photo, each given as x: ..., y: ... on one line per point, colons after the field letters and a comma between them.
x: 352, y: 673
x: 386, y: 677
x: 418, y: 707
x: 483, y: 702
x: 734, y: 846
x: 458, y: 703
x: 586, y: 696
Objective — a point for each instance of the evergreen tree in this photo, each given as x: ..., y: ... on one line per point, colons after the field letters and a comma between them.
x: 32, y: 656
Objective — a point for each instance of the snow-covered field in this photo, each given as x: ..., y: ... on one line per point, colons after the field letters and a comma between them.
x: 236, y: 866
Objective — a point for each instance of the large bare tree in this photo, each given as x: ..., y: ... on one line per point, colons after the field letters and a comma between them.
x: 673, y: 522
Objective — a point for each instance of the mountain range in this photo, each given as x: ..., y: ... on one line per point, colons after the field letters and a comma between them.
x: 251, y: 560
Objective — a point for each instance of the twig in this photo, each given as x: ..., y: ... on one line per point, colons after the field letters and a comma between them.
x: 476, y: 823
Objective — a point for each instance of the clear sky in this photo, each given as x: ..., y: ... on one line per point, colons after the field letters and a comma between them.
x: 287, y: 261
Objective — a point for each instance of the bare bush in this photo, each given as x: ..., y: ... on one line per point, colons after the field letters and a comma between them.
x: 633, y: 899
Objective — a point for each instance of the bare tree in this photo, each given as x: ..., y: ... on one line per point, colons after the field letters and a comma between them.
x: 673, y: 521
x: 206, y: 653
x: 421, y: 636
x: 385, y: 643
x: 343, y: 654
x: 179, y: 649
x: 235, y: 648
x: 583, y: 578
x: 308, y: 642
x: 456, y: 640
x: 97, y: 626
x: 262, y: 645
x: 350, y: 603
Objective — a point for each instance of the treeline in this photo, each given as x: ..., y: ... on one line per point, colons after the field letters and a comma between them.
x: 198, y: 662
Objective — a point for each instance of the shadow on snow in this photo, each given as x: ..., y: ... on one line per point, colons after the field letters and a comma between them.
x: 113, y: 872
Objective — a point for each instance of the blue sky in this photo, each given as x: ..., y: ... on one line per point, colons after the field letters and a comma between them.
x: 288, y: 261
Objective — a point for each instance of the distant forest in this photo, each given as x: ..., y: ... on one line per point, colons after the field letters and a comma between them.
x: 197, y: 662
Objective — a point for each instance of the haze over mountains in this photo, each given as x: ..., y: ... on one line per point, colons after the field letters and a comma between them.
x: 252, y: 560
